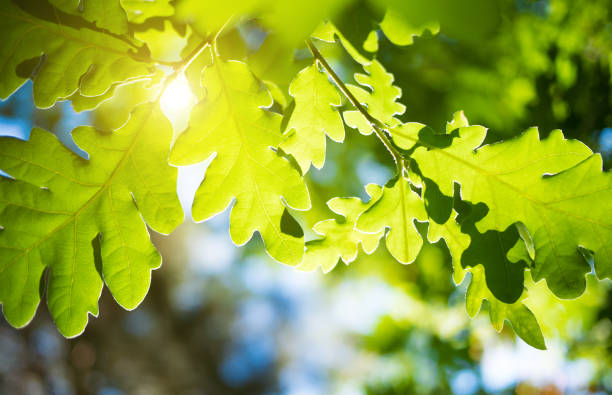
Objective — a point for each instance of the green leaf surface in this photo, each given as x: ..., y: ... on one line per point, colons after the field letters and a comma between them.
x: 59, y: 202
x: 456, y: 242
x: 328, y: 32
x: 83, y: 59
x: 561, y: 212
x: 314, y: 117
x: 113, y: 108
x: 490, y: 249
x: 165, y: 44
x: 233, y: 123
x: 520, y: 317
x: 106, y: 14
x: 401, y: 31
x: 139, y: 11
x: 397, y: 209
x: 380, y: 98
x: 341, y: 239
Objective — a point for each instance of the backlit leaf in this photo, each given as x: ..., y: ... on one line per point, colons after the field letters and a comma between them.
x: 314, y: 117
x: 82, y: 59
x: 106, y: 14
x: 561, y: 212
x: 397, y: 209
x: 139, y: 11
x: 341, y: 239
x: 58, y: 203
x: 401, y: 31
x: 520, y: 317
x: 380, y: 98
x: 232, y: 122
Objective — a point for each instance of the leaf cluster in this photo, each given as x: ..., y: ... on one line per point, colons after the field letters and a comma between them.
x: 524, y: 206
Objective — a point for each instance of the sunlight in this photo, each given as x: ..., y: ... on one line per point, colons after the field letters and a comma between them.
x: 177, y: 101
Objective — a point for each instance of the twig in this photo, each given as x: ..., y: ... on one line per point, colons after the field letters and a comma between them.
x: 377, y: 126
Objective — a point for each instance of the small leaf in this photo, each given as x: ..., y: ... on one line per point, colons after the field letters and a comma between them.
x: 328, y: 32
x: 314, y: 117
x: 380, y: 98
x: 456, y: 242
x: 341, y: 239
x: 397, y: 209
x: 401, y: 31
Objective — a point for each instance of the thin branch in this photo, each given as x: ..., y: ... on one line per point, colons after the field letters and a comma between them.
x: 377, y: 126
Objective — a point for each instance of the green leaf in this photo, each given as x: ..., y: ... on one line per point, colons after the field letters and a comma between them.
x: 106, y: 14
x: 401, y: 31
x: 380, y: 98
x: 58, y: 203
x: 314, y: 116
x: 490, y: 249
x: 520, y: 317
x: 459, y: 120
x: 139, y: 11
x: 561, y: 212
x: 82, y: 59
x: 371, y: 42
x: 165, y: 44
x: 277, y: 93
x: 341, y: 239
x: 113, y: 108
x: 328, y: 32
x: 233, y: 123
x: 456, y: 242
x: 397, y: 209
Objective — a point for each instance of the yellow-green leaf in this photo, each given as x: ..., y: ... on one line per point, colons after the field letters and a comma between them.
x: 232, y: 123
x: 314, y: 117
x: 58, y: 203
x: 341, y: 239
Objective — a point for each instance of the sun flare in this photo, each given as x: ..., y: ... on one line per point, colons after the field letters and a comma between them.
x: 177, y: 100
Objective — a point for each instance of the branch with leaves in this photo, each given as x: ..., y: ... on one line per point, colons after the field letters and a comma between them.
x: 72, y: 224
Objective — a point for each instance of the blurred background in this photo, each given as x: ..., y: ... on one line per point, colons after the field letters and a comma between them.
x: 226, y: 320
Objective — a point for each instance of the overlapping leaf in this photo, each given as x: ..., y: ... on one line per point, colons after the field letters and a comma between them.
x: 233, y: 123
x: 74, y: 58
x: 341, y: 239
x: 561, y: 212
x: 380, y: 98
x: 314, y: 117
x: 328, y: 32
x: 495, y: 259
x: 456, y: 242
x: 397, y: 209
x: 521, y: 318
x: 138, y: 11
x: 106, y: 14
x: 401, y: 30
x: 113, y: 109
x: 58, y: 203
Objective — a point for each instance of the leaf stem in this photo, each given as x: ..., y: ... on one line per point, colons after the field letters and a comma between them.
x: 377, y: 126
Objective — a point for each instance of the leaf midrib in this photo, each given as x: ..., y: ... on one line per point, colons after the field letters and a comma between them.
x: 61, y: 33
x: 546, y: 205
x: 240, y: 133
x: 88, y: 203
